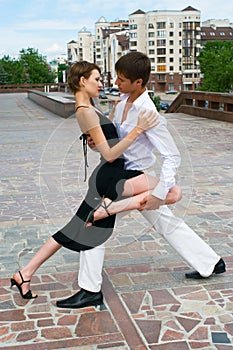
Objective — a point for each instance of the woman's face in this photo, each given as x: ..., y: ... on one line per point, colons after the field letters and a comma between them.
x: 93, y: 84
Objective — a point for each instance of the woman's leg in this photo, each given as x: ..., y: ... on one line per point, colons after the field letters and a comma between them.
x: 43, y: 254
x: 137, y: 188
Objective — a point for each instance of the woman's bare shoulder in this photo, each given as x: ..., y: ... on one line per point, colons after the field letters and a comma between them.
x: 87, y: 118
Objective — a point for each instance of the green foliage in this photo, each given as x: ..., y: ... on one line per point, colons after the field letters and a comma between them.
x: 30, y: 68
x: 61, y: 68
x: 216, y: 64
x: 156, y: 100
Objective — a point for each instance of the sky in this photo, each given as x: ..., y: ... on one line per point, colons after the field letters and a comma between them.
x: 48, y: 26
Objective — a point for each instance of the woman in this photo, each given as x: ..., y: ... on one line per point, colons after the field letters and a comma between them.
x: 108, y: 180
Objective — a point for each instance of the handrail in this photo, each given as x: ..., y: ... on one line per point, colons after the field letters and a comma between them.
x: 50, y: 87
x: 211, y: 105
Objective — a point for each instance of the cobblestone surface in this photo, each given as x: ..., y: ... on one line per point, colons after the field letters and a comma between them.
x: 148, y: 304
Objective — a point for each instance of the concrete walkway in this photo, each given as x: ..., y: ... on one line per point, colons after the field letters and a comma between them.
x: 148, y: 302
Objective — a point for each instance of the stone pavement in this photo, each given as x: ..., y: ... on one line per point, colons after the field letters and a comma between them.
x: 148, y: 304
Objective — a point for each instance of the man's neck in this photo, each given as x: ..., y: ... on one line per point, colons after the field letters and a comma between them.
x: 134, y: 95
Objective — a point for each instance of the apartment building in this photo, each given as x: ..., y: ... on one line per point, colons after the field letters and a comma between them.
x: 83, y: 49
x: 171, y: 39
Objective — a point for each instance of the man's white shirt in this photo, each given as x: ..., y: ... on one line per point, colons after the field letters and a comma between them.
x: 141, y: 154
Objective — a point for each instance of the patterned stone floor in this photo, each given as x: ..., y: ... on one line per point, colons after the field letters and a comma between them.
x: 148, y: 304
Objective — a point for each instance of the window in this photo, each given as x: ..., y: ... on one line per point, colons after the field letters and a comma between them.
x: 212, y: 33
x: 161, y: 25
x: 171, y: 51
x: 151, y: 34
x: 161, y: 68
x: 151, y: 52
x: 152, y: 59
x: 161, y: 60
x: 171, y: 59
x: 161, y: 51
x: 171, y: 42
x: 133, y: 26
x: 222, y: 33
x: 150, y: 25
x: 171, y: 33
x: 133, y: 35
x: 171, y: 25
x: 133, y: 43
x: 151, y: 42
x: 171, y: 69
x: 161, y: 42
x: 161, y: 33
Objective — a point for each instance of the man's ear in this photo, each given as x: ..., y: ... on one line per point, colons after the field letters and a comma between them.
x: 139, y: 82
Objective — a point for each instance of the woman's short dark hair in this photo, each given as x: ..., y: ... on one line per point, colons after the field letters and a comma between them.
x: 78, y: 70
x: 134, y: 65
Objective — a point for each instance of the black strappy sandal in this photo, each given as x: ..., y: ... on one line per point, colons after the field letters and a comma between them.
x: 27, y: 295
x: 90, y: 218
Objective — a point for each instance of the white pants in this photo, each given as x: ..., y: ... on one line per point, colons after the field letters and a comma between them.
x: 179, y: 235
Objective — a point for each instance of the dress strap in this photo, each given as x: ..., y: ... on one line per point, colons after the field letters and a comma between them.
x: 84, y: 138
x: 77, y: 107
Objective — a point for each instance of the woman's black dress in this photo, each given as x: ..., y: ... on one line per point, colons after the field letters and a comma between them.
x: 107, y: 180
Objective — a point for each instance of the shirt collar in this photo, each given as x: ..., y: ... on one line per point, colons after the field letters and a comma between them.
x: 139, y: 101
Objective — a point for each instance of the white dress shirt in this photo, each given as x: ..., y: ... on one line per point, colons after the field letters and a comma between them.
x: 140, y: 155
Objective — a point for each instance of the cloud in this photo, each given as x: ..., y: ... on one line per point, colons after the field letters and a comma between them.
x: 54, y: 48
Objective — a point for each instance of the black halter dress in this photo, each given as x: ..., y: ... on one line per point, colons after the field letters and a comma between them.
x: 107, y: 180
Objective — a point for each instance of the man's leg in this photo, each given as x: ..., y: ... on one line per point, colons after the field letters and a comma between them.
x: 89, y: 280
x: 185, y: 241
x: 90, y: 270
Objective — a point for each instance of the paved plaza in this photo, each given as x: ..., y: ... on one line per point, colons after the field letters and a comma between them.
x: 148, y: 303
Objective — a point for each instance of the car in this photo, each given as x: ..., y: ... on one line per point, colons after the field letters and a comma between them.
x: 171, y: 92
x: 114, y: 91
x: 102, y: 94
x: 164, y: 105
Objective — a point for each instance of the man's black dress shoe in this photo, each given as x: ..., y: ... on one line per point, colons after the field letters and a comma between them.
x: 81, y: 299
x: 220, y: 267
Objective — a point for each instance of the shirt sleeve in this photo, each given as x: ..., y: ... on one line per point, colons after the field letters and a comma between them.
x: 162, y: 140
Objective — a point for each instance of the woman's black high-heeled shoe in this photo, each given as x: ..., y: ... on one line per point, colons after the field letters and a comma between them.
x: 90, y: 218
x: 27, y: 295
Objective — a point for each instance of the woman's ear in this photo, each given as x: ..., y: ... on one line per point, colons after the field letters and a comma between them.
x: 82, y: 81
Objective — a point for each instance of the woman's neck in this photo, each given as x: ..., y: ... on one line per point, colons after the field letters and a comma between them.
x: 82, y: 100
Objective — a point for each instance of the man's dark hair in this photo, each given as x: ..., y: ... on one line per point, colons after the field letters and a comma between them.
x: 134, y: 65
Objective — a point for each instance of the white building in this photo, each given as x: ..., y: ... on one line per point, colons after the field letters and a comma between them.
x: 171, y: 39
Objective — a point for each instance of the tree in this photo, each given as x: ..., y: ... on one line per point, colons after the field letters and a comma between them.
x: 10, y: 71
x: 30, y: 68
x: 35, y: 67
x: 61, y: 68
x: 216, y: 64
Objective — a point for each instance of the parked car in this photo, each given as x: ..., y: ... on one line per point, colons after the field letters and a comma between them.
x: 114, y: 91
x: 171, y: 92
x: 164, y: 105
x: 102, y: 94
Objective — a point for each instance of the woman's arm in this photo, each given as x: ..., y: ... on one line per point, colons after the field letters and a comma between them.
x: 89, y: 123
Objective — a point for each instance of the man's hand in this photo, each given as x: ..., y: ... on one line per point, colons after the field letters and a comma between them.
x: 150, y: 202
x: 91, y: 143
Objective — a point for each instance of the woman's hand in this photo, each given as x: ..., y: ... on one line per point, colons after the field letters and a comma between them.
x: 147, y: 120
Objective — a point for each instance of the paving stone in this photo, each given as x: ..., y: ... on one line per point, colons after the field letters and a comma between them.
x: 148, y: 303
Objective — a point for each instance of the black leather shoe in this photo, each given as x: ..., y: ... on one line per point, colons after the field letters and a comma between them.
x: 81, y: 299
x: 220, y: 267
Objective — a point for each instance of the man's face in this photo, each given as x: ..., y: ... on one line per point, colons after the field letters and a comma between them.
x: 125, y: 85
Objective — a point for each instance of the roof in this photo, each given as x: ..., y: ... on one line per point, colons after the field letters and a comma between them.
x: 216, y: 33
x: 138, y: 12
x: 189, y: 8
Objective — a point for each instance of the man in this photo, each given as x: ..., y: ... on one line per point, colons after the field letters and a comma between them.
x: 133, y: 71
